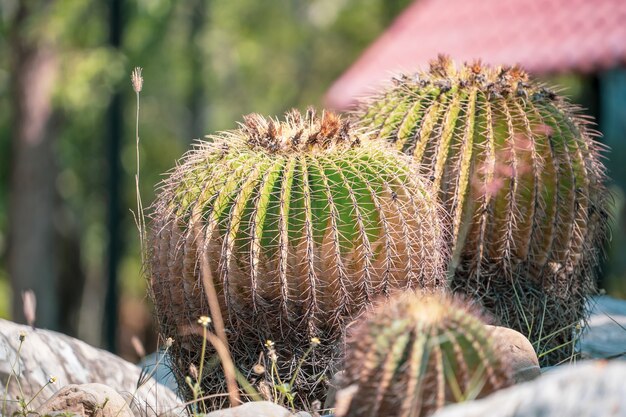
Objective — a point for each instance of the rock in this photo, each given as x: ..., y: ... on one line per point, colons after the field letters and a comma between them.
x: 46, y: 353
x: 253, y: 409
x: 157, y: 364
x: 605, y: 334
x: 591, y: 389
x: 519, y: 352
x: 333, y: 386
x: 87, y: 400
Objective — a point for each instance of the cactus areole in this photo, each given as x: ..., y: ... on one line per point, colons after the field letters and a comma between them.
x: 303, y: 222
x: 517, y: 168
x: 417, y: 353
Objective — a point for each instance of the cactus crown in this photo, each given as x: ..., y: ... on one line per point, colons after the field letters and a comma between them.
x: 417, y: 353
x: 498, y: 81
x: 518, y: 169
x: 303, y: 222
x: 299, y: 133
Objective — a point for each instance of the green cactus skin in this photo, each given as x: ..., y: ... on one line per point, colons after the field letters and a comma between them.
x: 518, y: 169
x: 303, y: 221
x: 418, y: 352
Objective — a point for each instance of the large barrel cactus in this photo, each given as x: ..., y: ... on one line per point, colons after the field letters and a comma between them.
x: 518, y: 169
x: 303, y: 221
x: 415, y: 354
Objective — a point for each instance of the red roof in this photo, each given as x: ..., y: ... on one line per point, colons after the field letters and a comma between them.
x: 544, y: 36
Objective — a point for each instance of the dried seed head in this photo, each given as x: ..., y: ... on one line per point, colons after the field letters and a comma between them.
x: 266, y: 391
x: 138, y: 346
x: 30, y: 306
x: 442, y: 66
x: 193, y: 371
x: 204, y: 321
x: 137, y: 79
x: 258, y: 369
x: 169, y: 342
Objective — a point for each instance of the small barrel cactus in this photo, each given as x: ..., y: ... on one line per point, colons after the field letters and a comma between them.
x: 518, y: 170
x: 303, y: 223
x: 415, y: 354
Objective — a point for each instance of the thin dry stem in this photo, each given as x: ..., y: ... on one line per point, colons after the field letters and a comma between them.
x: 220, y: 342
x: 228, y: 366
x: 140, y: 221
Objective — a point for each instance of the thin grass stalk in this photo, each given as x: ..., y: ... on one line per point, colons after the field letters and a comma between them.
x: 218, y: 322
x: 228, y: 366
x: 50, y: 380
x: 140, y: 221
x: 13, y: 373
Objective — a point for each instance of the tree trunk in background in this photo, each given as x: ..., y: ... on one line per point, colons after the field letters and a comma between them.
x: 32, y: 261
x: 115, y: 130
x: 72, y: 277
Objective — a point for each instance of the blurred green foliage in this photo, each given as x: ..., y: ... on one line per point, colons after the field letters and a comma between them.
x: 206, y: 63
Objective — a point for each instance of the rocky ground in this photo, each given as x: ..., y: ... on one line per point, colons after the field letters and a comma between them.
x: 50, y: 363
x: 81, y: 380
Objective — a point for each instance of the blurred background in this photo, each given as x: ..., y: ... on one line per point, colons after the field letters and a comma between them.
x: 67, y: 114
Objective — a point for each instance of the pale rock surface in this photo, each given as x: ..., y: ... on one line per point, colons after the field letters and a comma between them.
x: 334, y: 385
x: 158, y: 365
x: 87, y: 400
x: 605, y: 334
x: 253, y: 409
x: 46, y: 353
x: 519, y: 353
x: 590, y: 389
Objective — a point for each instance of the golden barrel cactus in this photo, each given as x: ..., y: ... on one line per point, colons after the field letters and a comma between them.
x: 303, y: 222
x: 519, y: 171
x: 417, y: 353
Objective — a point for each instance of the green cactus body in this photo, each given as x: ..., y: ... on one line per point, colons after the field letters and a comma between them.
x: 303, y: 222
x: 520, y: 174
x: 415, y: 354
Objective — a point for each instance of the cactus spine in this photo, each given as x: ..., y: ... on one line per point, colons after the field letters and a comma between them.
x: 519, y: 172
x: 417, y: 353
x: 303, y: 222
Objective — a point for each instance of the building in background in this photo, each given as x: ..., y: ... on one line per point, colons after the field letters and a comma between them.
x: 544, y: 36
